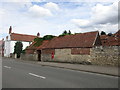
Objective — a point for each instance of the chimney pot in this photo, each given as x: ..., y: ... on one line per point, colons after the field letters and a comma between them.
x: 10, y: 30
x: 38, y: 34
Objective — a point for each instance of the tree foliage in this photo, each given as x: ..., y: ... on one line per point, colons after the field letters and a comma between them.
x: 110, y: 34
x: 40, y: 40
x: 18, y: 48
x: 48, y: 37
x: 69, y: 32
x: 65, y: 33
x: 103, y: 33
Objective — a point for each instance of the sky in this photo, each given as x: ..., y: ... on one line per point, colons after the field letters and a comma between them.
x: 52, y: 17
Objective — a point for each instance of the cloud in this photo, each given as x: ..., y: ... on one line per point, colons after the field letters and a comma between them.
x: 102, y: 16
x: 81, y: 23
x: 38, y: 11
x: 54, y: 18
x: 22, y: 1
x: 52, y: 6
x: 105, y: 14
x: 2, y: 13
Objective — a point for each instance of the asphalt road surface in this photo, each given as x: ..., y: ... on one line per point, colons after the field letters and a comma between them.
x: 18, y: 74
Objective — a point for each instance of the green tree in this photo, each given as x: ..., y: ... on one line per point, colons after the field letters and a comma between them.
x: 69, y: 32
x: 38, y: 41
x: 103, y: 33
x: 18, y: 48
x: 110, y: 34
x: 48, y: 37
x: 65, y: 32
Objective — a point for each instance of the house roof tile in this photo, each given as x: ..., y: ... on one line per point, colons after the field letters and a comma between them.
x: 44, y: 44
x: 22, y: 37
x: 72, y: 41
x: 113, y: 40
x: 33, y: 47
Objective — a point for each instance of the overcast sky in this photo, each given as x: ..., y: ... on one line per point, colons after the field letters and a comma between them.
x: 54, y: 16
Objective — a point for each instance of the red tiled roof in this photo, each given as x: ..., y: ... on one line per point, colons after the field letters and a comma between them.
x: 113, y: 40
x: 117, y: 34
x: 44, y: 44
x: 22, y: 37
x: 72, y: 41
x: 31, y: 46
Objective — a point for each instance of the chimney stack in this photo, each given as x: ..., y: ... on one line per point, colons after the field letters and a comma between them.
x: 38, y: 34
x: 10, y: 30
x: 6, y: 37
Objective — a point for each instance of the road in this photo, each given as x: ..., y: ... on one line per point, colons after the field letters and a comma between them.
x: 18, y: 74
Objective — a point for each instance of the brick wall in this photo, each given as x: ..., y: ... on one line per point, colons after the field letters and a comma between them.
x: 80, y: 51
x: 29, y: 51
x: 48, y: 51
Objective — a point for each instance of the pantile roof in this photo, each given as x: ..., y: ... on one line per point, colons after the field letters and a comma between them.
x: 117, y: 34
x: 72, y: 41
x: 113, y: 40
x: 44, y: 44
x: 22, y: 37
x: 33, y: 47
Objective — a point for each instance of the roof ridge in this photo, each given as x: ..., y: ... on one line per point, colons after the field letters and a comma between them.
x: 24, y: 34
x: 77, y: 34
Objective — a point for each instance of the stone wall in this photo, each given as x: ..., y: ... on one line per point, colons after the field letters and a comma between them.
x: 46, y: 54
x: 80, y: 51
x: 105, y: 55
x: 29, y: 57
x: 46, y: 57
x: 98, y: 56
x: 64, y: 55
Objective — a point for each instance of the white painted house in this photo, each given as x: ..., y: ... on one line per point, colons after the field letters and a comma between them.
x: 12, y: 38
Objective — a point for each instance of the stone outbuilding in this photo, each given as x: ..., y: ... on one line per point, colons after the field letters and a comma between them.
x: 70, y: 48
x: 85, y: 48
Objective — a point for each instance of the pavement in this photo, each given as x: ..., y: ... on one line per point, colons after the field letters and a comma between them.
x: 31, y: 74
x: 107, y: 70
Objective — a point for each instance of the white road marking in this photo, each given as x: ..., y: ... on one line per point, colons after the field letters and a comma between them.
x: 37, y: 75
x: 7, y: 67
